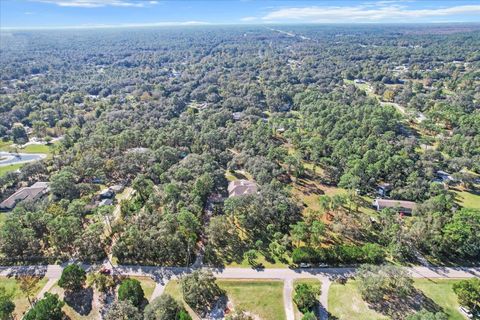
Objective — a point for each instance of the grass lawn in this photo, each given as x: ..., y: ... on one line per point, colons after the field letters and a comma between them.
x: 21, y: 302
x: 468, y: 199
x: 31, y: 148
x: 3, y: 217
x: 345, y: 302
x: 4, y: 145
x: 148, y: 285
x: 440, y: 291
x: 314, y: 282
x: 263, y: 298
x: 10, y: 168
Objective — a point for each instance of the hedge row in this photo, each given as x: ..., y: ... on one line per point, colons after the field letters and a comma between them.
x: 340, y: 254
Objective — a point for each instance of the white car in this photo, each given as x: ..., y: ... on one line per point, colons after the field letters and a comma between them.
x: 466, y: 312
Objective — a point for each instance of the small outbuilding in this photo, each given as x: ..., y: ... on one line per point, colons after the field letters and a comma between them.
x: 384, y: 189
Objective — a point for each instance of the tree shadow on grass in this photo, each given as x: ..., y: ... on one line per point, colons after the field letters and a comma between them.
x: 400, y: 308
x: 80, y: 301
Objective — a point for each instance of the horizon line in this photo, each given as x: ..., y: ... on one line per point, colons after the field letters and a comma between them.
x: 206, y: 24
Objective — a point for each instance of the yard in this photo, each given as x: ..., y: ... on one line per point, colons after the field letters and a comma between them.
x: 21, y: 302
x: 345, y: 302
x: 440, y: 291
x: 467, y: 199
x: 263, y: 298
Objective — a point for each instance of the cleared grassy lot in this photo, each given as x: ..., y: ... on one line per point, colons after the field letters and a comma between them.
x: 441, y: 291
x: 345, y: 302
x: 21, y: 302
x: 264, y: 298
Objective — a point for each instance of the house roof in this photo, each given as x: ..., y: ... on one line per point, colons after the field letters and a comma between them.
x: 27, y: 194
x: 241, y: 187
x: 386, y: 203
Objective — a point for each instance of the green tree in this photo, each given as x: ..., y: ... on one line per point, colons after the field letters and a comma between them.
x: 123, y: 310
x: 28, y: 285
x: 63, y: 185
x: 375, y: 282
x: 73, y: 278
x: 163, y: 308
x: 48, y: 308
x: 461, y: 234
x: 309, y: 316
x: 305, y: 297
x: 100, y: 281
x: 468, y: 292
x: 131, y: 290
x: 200, y: 291
x: 6, y: 305
x: 19, y: 134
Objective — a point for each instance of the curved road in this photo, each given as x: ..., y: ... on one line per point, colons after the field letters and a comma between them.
x: 14, y: 158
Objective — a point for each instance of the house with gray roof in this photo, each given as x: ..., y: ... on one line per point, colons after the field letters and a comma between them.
x: 32, y: 193
x: 241, y: 187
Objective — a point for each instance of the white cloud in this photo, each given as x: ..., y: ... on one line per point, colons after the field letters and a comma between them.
x: 385, y: 11
x: 123, y: 25
x: 99, y: 3
x: 248, y: 18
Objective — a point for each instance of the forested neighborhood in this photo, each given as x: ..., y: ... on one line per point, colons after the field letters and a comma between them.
x: 210, y: 148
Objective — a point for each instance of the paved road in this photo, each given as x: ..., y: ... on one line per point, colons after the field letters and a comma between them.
x: 164, y: 274
x: 288, y: 299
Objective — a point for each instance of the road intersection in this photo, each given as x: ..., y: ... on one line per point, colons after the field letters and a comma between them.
x: 162, y: 275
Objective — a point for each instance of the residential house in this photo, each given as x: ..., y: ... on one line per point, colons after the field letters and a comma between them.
x: 241, y: 187
x: 32, y: 193
x: 405, y: 207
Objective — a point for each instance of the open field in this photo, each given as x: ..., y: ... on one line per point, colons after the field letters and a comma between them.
x: 260, y: 297
x: 21, y: 302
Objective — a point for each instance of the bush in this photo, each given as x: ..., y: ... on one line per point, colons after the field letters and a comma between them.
x: 131, y: 290
x: 340, y: 254
x: 305, y: 297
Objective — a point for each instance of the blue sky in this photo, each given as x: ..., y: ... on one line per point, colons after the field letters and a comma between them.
x: 111, y: 13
